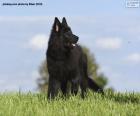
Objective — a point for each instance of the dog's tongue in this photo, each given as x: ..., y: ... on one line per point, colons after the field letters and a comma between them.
x: 73, y: 45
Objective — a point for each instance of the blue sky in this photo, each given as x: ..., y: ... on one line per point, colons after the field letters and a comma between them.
x: 107, y: 28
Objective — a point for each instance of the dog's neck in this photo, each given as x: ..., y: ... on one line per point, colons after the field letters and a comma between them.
x: 58, y: 55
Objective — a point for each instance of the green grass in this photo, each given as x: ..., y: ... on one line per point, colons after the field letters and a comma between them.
x: 110, y: 104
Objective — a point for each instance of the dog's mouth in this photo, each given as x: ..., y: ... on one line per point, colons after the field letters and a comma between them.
x: 73, y: 45
x: 70, y: 45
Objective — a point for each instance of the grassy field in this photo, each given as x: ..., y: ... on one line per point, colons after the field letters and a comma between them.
x: 110, y: 104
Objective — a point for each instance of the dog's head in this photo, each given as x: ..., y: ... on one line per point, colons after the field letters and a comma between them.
x: 65, y: 34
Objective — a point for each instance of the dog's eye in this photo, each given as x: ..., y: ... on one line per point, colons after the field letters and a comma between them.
x: 67, y: 29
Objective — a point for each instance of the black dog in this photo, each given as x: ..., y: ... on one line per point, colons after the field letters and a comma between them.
x: 66, y: 62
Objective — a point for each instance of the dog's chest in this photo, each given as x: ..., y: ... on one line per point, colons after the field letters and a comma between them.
x: 65, y: 66
x: 65, y: 69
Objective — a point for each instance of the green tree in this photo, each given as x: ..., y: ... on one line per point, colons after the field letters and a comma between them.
x: 44, y: 77
x: 93, y: 68
x: 92, y: 72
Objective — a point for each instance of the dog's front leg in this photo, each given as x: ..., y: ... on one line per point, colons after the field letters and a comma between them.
x: 54, y: 86
x: 64, y: 88
x: 74, y: 87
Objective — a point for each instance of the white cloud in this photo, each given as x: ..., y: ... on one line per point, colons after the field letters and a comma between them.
x: 38, y: 42
x: 133, y: 58
x: 109, y: 43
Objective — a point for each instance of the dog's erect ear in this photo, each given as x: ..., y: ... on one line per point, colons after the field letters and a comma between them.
x: 64, y: 22
x: 56, y: 25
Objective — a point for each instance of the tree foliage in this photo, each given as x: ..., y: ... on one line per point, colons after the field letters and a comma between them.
x: 93, y: 69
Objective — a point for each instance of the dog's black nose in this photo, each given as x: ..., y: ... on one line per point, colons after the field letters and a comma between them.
x: 77, y: 38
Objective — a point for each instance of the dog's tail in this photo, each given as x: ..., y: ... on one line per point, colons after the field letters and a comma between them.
x: 94, y: 86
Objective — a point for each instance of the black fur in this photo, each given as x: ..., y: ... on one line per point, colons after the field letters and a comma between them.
x: 66, y: 62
